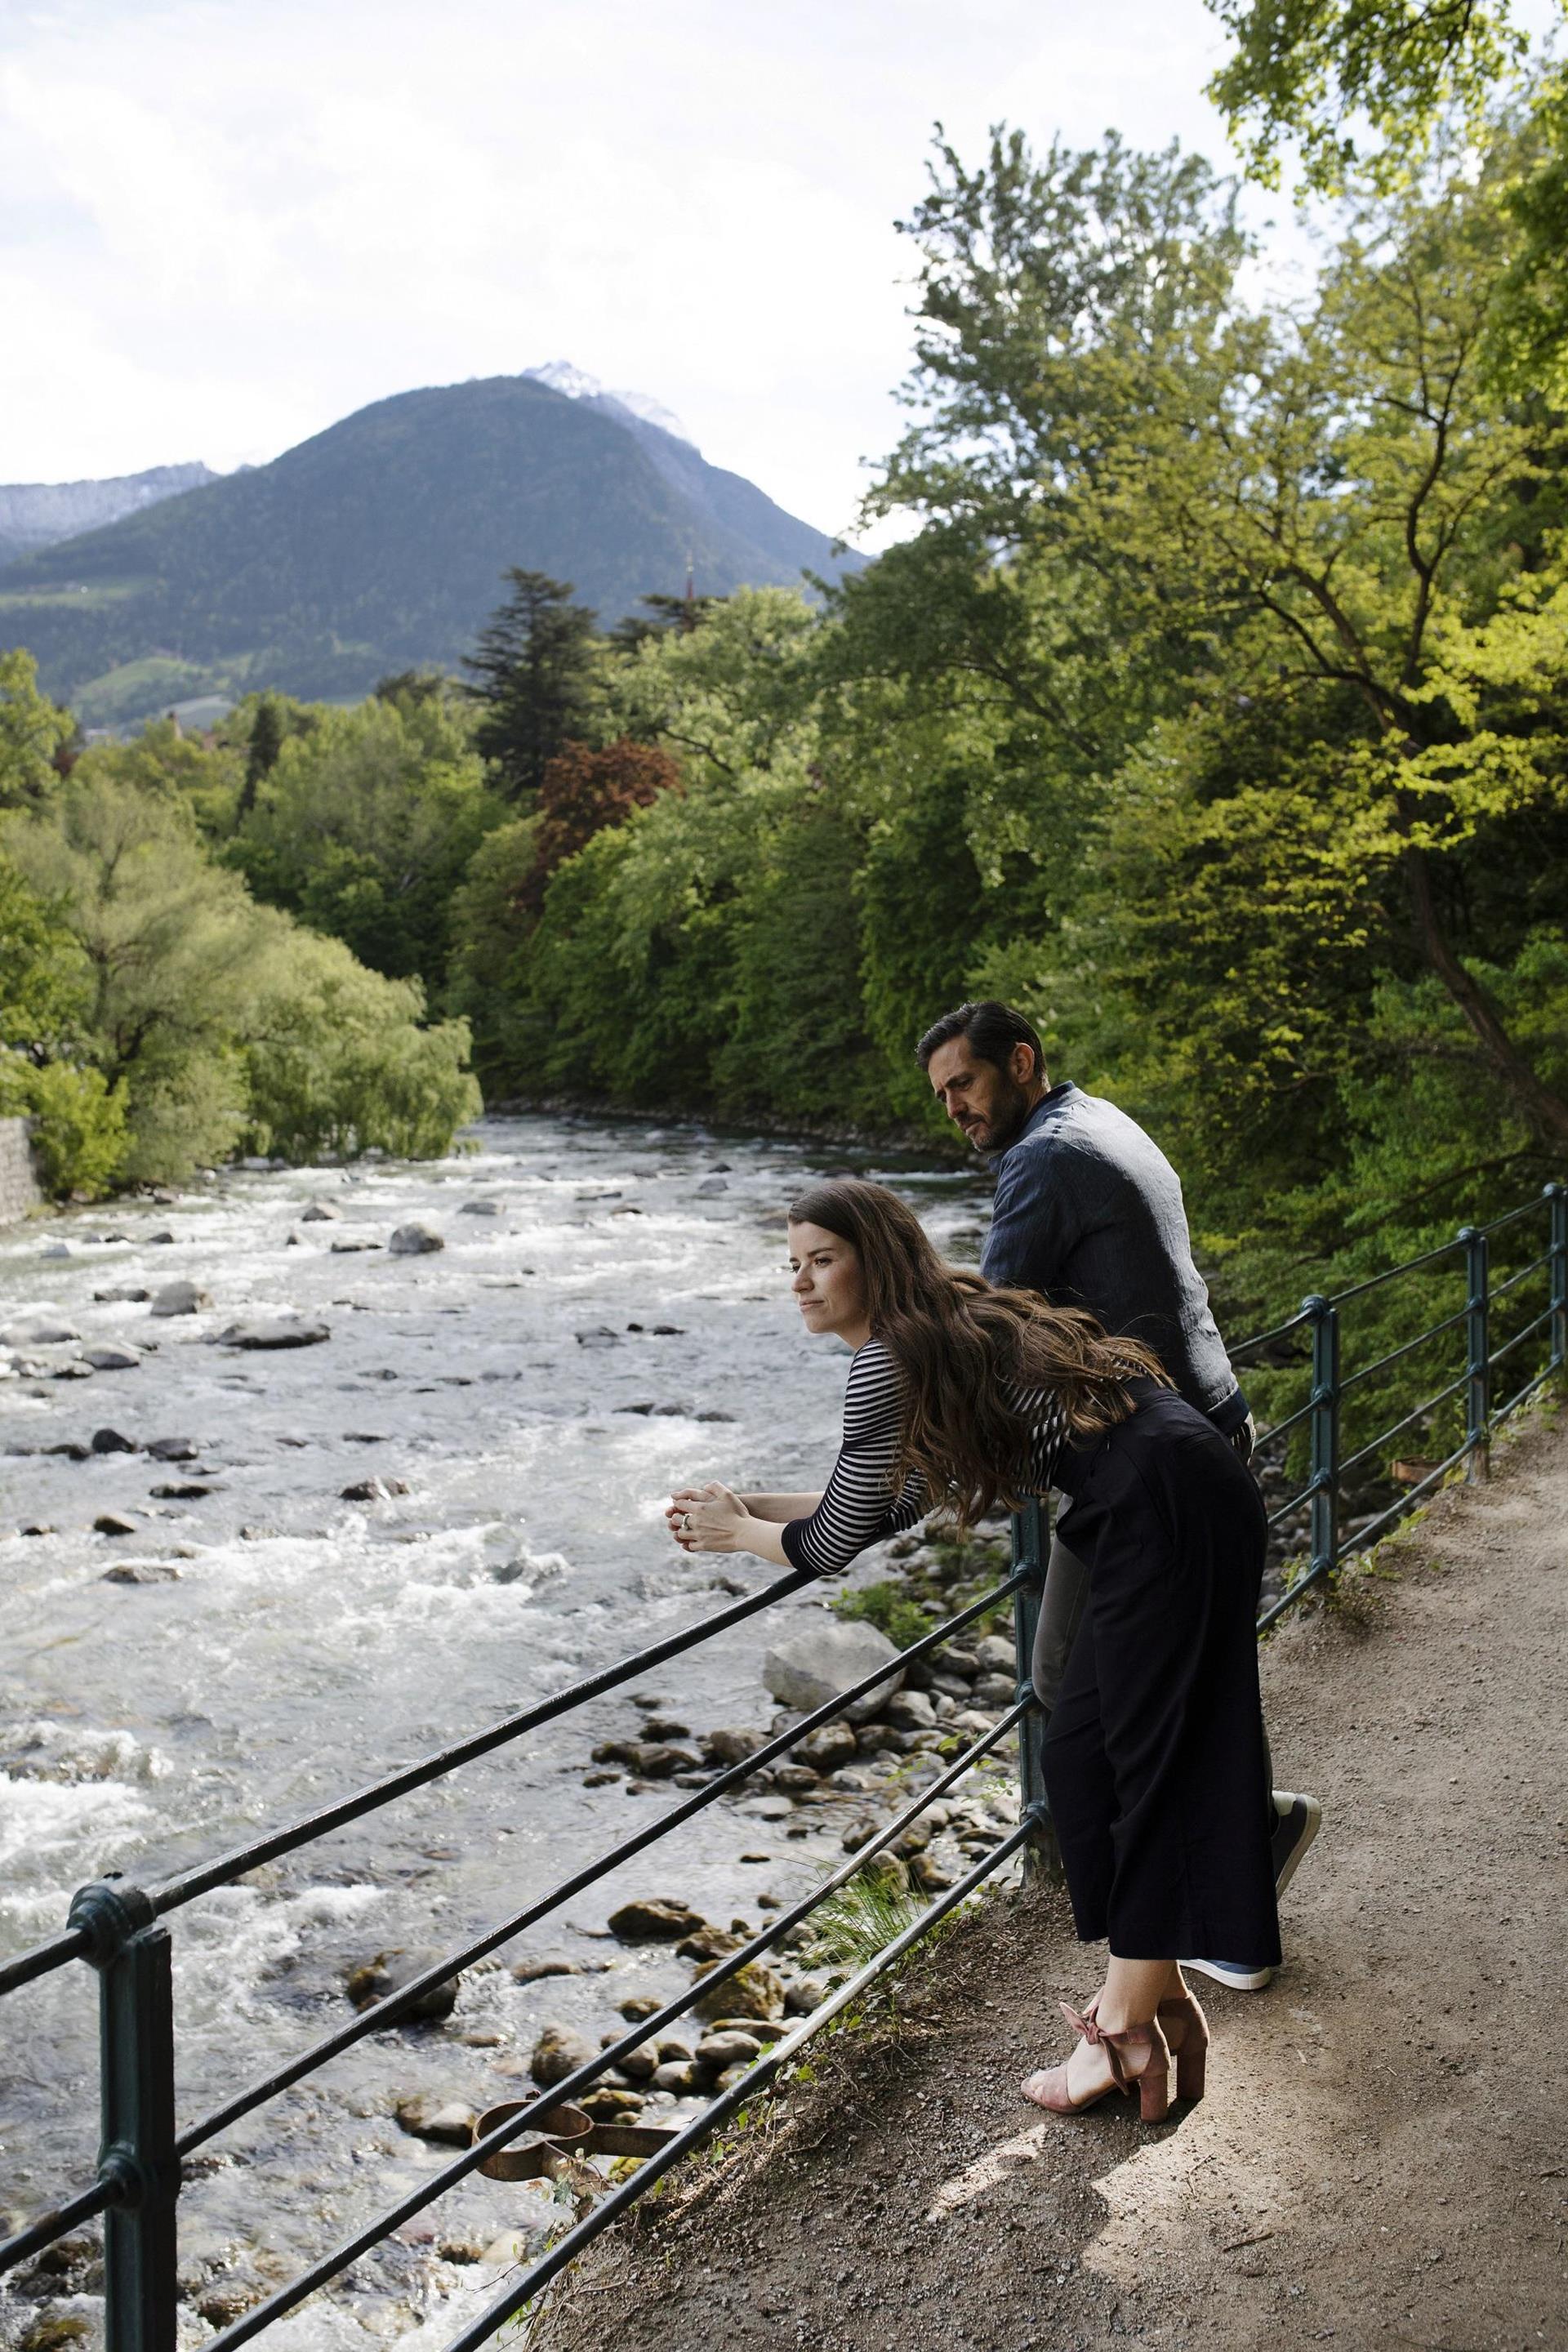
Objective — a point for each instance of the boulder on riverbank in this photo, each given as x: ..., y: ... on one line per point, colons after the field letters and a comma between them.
x: 806, y: 1669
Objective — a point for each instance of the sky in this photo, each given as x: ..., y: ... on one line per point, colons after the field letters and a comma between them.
x: 225, y: 224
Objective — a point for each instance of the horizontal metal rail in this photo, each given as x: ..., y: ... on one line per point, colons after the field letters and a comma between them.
x: 1512, y: 1216
x: 1294, y: 1503
x: 1524, y: 1332
x: 1522, y: 1274
x: 328, y: 2267
x: 1280, y: 1428
x: 439, y: 1972
x: 1264, y: 1338
x: 1397, y: 1355
x: 28, y: 1967
x: 761, y: 2070
x: 58, y: 2222
x: 1417, y: 1413
x: 1392, y: 1272
x: 1520, y: 1395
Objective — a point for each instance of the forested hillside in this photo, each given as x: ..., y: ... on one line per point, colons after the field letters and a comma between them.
x: 39, y: 514
x: 1216, y: 713
x: 379, y: 545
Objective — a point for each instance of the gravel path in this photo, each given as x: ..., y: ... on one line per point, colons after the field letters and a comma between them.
x: 1382, y: 2159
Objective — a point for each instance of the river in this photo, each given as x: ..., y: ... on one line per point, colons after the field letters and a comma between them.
x: 303, y: 1643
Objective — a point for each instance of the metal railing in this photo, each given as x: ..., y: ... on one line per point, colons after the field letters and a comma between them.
x: 117, y: 1930
x: 1321, y: 1418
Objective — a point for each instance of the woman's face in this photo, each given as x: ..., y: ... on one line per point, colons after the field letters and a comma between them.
x: 827, y: 1284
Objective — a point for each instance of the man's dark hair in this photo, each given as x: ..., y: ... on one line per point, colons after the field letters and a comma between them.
x: 992, y: 1028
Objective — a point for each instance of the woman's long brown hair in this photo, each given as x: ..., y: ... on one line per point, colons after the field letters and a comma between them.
x: 967, y: 1351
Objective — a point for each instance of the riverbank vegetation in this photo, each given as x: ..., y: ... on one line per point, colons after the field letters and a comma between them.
x: 1215, y: 710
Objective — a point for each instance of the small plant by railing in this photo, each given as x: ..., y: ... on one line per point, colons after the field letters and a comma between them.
x: 117, y: 1928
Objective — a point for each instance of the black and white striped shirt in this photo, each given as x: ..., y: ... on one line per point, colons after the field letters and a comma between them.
x: 858, y: 1507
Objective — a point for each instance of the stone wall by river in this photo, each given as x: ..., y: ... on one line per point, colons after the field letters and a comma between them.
x: 20, y: 1192
x: 609, y: 1315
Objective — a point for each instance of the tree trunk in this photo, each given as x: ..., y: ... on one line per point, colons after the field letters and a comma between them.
x: 1544, y: 1111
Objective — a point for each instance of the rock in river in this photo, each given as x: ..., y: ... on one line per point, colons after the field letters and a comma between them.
x: 111, y: 1359
x: 321, y: 1213
x: 428, y: 2117
x: 273, y: 1331
x: 559, y: 2051
x: 414, y: 1240
x: 827, y: 1750
x: 375, y: 1490
x: 808, y: 1668
x: 181, y: 1298
x: 730, y: 1744
x: 173, y: 1449
x: 654, y: 1920
x: 39, y: 1332
x: 110, y: 1441
x: 752, y: 1991
x: 390, y: 1971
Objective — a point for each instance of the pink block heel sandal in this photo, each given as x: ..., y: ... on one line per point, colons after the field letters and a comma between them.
x: 1139, y: 2055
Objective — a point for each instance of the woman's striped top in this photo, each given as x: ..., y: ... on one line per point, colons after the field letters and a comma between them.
x: 859, y: 1506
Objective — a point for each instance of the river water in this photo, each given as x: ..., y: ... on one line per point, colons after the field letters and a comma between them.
x: 304, y: 1644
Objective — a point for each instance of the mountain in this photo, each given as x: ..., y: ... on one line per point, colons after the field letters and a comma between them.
x: 379, y: 546
x: 37, y: 514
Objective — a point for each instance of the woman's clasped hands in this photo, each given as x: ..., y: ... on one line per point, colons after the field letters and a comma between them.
x: 707, y: 1518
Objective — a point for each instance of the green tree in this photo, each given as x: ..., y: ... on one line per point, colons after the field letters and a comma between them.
x: 267, y: 738
x: 35, y: 734
x: 77, y: 1121
x: 533, y: 678
x: 365, y: 827
x: 208, y: 1016
x: 338, y: 1059
x: 1323, y: 74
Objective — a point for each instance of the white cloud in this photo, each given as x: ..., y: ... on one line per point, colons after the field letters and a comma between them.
x: 223, y: 225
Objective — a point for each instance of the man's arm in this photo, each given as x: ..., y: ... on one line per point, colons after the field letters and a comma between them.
x: 1033, y: 1223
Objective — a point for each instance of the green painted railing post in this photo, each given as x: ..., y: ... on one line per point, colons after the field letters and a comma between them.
x: 136, y: 2073
x: 1557, y: 1197
x: 1031, y: 1551
x: 1323, y: 1425
x: 1478, y: 1347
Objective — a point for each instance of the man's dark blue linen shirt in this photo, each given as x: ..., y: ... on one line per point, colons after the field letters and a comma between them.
x: 1090, y: 1212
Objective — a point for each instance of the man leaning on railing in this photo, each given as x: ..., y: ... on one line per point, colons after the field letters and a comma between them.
x: 1089, y: 1211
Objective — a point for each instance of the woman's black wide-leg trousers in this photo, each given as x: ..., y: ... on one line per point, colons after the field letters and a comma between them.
x: 1154, y: 1756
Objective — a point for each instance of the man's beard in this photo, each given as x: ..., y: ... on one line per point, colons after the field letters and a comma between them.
x: 1008, y: 1120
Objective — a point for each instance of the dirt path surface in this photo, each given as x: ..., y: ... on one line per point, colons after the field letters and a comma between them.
x: 1382, y: 2159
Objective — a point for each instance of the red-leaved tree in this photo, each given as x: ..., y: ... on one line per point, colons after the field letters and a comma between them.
x: 580, y: 791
